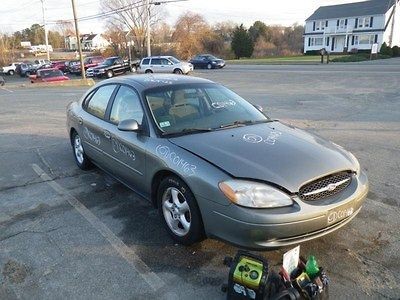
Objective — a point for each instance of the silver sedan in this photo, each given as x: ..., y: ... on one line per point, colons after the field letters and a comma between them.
x: 213, y: 164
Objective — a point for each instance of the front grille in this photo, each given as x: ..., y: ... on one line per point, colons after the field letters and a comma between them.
x: 325, y: 187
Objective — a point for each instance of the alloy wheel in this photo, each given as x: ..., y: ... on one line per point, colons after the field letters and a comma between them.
x: 78, y: 149
x: 176, y: 211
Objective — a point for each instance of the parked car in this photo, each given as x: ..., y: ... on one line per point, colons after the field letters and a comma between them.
x: 25, y: 69
x: 59, y: 65
x: 213, y: 164
x: 207, y: 61
x: 88, y: 62
x: 112, y: 66
x: 48, y: 75
x: 40, y: 62
x: 41, y: 67
x: 71, y: 65
x: 164, y: 64
x: 10, y: 69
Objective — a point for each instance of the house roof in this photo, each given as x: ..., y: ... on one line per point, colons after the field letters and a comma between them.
x: 88, y: 37
x: 366, y: 8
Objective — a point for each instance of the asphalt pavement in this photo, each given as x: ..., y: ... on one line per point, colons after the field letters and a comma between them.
x: 66, y: 233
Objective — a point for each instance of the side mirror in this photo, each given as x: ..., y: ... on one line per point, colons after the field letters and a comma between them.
x: 259, y: 107
x: 128, y: 125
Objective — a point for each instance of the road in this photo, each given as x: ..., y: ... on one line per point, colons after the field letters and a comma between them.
x: 65, y: 233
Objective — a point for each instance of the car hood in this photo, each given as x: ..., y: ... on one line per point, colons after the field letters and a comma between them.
x: 271, y: 152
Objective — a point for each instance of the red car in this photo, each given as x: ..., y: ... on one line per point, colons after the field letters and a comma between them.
x: 60, y: 65
x: 88, y: 62
x: 48, y: 75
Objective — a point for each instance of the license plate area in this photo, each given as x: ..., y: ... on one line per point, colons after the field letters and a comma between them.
x: 339, y: 213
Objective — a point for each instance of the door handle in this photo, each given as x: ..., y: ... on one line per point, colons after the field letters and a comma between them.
x: 80, y: 120
x: 107, y: 134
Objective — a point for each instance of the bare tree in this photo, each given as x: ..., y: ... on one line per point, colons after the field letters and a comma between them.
x: 191, y: 29
x: 65, y: 28
x: 132, y: 17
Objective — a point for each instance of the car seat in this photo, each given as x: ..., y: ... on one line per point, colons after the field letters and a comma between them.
x: 181, y: 109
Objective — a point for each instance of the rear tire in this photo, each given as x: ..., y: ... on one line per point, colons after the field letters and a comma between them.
x: 81, y: 159
x: 179, y: 211
x: 11, y: 72
x: 209, y: 66
x: 148, y: 71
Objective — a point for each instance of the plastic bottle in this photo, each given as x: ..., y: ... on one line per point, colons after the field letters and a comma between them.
x: 312, y: 268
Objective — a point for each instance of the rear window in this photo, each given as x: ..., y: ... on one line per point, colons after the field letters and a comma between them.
x: 146, y: 61
x: 98, y: 103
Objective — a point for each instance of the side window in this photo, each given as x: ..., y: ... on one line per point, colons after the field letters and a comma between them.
x: 126, y: 106
x: 165, y: 62
x: 146, y: 61
x: 156, y: 61
x: 98, y: 103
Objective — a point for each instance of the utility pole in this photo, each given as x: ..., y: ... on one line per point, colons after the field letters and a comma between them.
x: 392, y: 27
x: 148, y: 27
x: 78, y: 40
x: 46, y: 38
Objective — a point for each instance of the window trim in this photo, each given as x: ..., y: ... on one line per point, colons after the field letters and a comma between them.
x: 89, y: 97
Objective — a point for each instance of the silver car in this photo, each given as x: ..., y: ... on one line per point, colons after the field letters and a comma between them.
x: 213, y: 164
x: 164, y: 64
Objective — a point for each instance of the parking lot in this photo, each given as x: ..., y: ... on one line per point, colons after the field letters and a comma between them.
x: 66, y: 233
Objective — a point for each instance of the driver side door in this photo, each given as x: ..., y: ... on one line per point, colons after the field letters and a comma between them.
x: 128, y: 148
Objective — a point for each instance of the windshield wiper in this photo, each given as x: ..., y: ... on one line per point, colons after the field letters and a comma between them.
x: 244, y: 123
x: 188, y: 130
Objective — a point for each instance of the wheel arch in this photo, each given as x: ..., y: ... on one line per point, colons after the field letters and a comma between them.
x: 71, y: 132
x: 156, y: 180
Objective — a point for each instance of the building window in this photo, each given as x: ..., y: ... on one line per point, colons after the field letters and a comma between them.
x: 365, y: 39
x: 316, y: 41
x: 320, y: 25
x: 342, y: 23
x: 364, y: 22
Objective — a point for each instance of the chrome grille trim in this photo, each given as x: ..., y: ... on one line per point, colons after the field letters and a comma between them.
x: 326, y: 186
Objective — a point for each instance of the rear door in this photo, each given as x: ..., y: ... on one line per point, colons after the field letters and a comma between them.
x: 166, y: 66
x: 155, y: 65
x: 128, y: 148
x: 95, y: 130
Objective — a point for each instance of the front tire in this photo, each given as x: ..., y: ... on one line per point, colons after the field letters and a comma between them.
x: 149, y: 71
x: 11, y: 72
x: 178, y: 71
x: 179, y: 211
x: 80, y: 156
x: 110, y: 74
x: 209, y: 66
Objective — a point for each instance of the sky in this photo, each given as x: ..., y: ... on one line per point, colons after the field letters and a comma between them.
x: 19, y: 14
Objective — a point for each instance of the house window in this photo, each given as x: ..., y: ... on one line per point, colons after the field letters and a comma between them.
x: 320, y: 25
x: 315, y: 41
x: 364, y: 22
x: 365, y: 39
x: 342, y: 24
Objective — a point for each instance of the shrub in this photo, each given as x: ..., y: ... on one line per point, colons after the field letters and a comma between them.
x: 385, y: 50
x: 396, y: 51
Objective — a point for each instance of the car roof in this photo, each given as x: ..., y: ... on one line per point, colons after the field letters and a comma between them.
x: 159, y: 56
x: 147, y: 81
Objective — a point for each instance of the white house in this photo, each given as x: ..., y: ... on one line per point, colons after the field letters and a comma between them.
x: 347, y: 27
x: 94, y: 42
x: 88, y: 41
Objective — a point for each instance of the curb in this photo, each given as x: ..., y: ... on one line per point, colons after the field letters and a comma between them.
x: 66, y: 83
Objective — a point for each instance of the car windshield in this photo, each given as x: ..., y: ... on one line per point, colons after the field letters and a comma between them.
x: 200, y: 107
x: 109, y: 61
x: 50, y: 73
x: 174, y: 60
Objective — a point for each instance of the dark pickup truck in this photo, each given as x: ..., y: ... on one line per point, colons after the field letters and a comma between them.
x: 113, y: 66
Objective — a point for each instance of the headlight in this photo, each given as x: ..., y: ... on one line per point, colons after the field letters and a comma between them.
x: 254, y: 194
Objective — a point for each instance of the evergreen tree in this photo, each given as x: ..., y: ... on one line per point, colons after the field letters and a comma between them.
x: 242, y: 43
